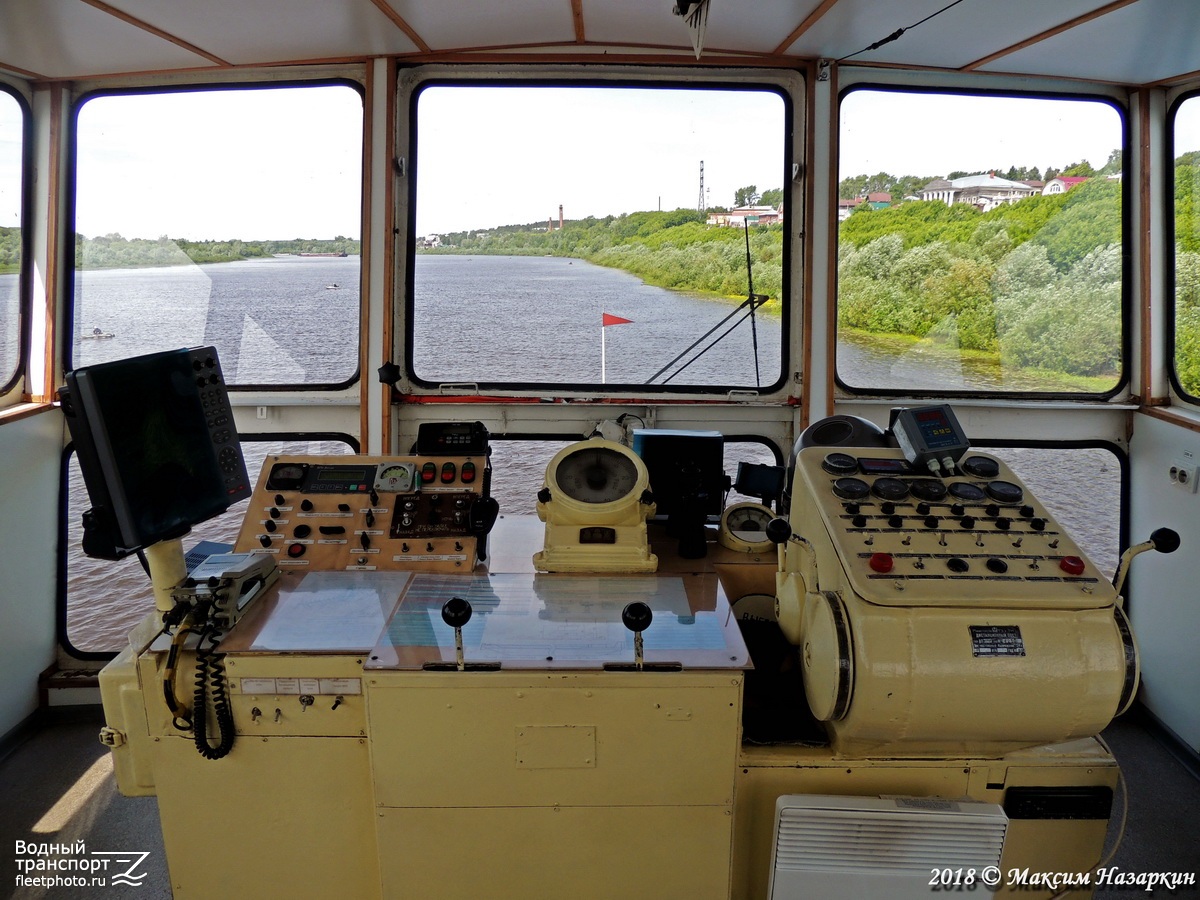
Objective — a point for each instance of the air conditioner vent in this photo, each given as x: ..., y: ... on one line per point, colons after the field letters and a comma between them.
x: 859, y: 847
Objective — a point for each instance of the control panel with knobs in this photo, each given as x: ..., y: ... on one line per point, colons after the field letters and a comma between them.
x: 419, y: 514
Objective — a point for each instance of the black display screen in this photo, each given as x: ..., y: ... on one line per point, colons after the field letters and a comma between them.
x: 153, y: 459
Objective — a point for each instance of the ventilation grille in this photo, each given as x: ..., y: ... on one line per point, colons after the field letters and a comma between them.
x: 890, y: 839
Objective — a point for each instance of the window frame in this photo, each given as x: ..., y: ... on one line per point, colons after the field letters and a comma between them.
x: 67, y: 345
x: 1170, y: 334
x: 789, y: 85
x: 10, y: 389
x: 1120, y: 105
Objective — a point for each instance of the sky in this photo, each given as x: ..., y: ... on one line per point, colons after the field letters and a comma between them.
x: 185, y: 164
x: 499, y: 156
x: 928, y: 134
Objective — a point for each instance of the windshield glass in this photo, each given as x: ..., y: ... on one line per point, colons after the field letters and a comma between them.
x: 584, y: 235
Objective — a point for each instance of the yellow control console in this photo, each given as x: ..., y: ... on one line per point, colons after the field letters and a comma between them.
x: 945, y: 614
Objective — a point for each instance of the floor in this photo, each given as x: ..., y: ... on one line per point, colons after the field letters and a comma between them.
x: 57, y: 787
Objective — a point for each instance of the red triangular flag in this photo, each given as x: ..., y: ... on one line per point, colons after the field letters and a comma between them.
x: 608, y: 319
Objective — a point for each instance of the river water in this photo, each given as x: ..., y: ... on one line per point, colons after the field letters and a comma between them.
x: 295, y: 320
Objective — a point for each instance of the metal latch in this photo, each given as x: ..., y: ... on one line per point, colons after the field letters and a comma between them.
x: 110, y: 737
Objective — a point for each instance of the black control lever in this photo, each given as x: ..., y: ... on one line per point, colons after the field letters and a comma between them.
x: 1164, y: 540
x: 456, y: 612
x: 779, y: 530
x: 637, y: 616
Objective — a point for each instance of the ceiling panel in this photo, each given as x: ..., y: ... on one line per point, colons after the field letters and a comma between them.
x: 1150, y: 41
x: 66, y: 38
x: 453, y: 25
x: 267, y: 31
x: 760, y: 27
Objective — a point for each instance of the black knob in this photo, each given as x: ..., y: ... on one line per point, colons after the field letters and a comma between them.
x: 273, y: 512
x: 1027, y: 512
x: 931, y: 521
x: 779, y: 530
x: 1037, y: 524
x: 859, y: 521
x: 887, y: 508
x: 896, y: 521
x: 1165, y: 540
x: 967, y: 522
x: 957, y: 509
x: 957, y: 564
x: 456, y: 612
x: 637, y: 616
x: 269, y: 525
x: 279, y: 500
x: 302, y: 531
x: 365, y: 541
x: 851, y: 508
x: 306, y: 505
x: 1003, y: 523
x: 265, y: 540
x: 343, y: 507
x: 374, y: 497
x: 992, y: 509
x: 923, y: 508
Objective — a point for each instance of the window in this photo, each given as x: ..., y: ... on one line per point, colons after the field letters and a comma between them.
x: 573, y: 236
x: 105, y: 599
x: 221, y: 216
x: 980, y: 244
x: 12, y: 202
x: 1186, y: 165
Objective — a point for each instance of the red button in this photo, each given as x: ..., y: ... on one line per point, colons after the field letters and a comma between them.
x: 468, y: 472
x: 428, y: 473
x: 881, y: 562
x: 1072, y: 565
x: 295, y: 551
x: 449, y: 470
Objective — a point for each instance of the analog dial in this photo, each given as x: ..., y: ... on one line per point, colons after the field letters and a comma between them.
x: 596, y: 475
x: 744, y: 528
x: 396, y: 478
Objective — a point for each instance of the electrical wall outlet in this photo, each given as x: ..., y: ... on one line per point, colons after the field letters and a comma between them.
x: 1185, y: 472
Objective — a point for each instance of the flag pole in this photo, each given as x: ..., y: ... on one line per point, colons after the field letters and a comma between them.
x: 603, y: 361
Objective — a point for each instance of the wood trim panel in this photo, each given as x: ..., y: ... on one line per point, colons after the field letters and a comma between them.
x: 398, y: 20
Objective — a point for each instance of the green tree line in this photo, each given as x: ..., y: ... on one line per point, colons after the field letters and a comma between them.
x: 10, y: 249
x: 672, y: 249
x: 114, y: 251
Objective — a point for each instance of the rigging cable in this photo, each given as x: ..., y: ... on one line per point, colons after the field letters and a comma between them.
x: 698, y: 341
x: 750, y: 296
x: 899, y: 31
x: 711, y: 345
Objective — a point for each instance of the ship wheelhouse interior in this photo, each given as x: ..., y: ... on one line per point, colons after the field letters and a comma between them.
x: 1079, y: 368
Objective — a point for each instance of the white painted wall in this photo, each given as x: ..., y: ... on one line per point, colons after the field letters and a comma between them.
x: 1164, y: 602
x: 30, y: 450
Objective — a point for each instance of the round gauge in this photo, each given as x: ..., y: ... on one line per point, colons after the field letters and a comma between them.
x: 928, y: 489
x: 966, y: 491
x: 396, y: 478
x: 889, y: 489
x: 744, y: 528
x: 596, y: 475
x: 851, y: 488
x: 840, y: 464
x: 980, y: 467
x: 1005, y: 492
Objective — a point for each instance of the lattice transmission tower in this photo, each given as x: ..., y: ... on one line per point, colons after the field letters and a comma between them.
x: 701, y: 205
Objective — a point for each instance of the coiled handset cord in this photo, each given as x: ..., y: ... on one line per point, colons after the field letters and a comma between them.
x: 210, y: 682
